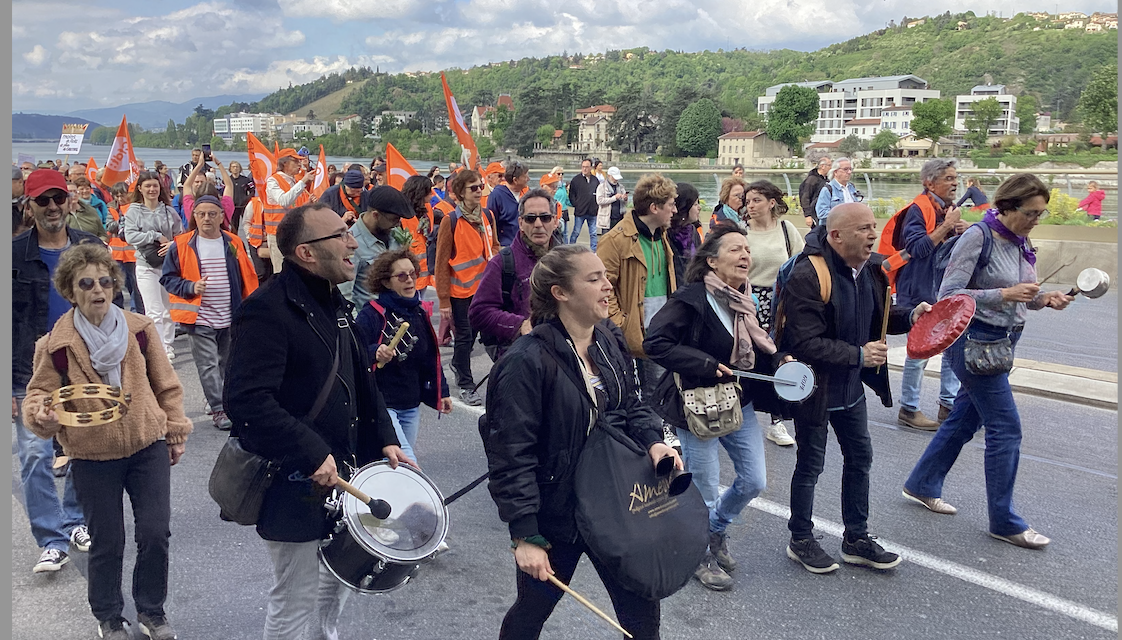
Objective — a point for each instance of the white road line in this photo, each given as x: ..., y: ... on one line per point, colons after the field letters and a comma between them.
x: 982, y: 579
x: 475, y: 411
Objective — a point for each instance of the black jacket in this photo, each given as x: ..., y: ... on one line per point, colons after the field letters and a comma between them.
x: 31, y: 283
x: 582, y: 193
x: 282, y: 345
x: 244, y: 189
x: 810, y: 189
x: 828, y: 337
x: 538, y: 419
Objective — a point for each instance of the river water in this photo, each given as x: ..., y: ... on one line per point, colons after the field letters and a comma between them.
x: 706, y: 183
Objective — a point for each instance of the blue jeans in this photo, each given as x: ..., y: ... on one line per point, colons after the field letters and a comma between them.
x: 913, y: 380
x: 51, y: 521
x: 745, y: 447
x: 851, y: 426
x: 584, y: 220
x: 405, y: 423
x: 983, y: 401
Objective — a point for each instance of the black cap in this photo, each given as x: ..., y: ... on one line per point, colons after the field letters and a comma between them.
x: 386, y: 199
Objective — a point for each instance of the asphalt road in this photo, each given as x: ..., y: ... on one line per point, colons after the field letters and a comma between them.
x: 955, y: 581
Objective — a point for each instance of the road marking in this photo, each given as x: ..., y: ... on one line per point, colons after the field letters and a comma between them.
x: 982, y: 579
x: 476, y: 411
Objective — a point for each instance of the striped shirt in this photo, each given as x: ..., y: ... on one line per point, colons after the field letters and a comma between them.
x: 214, y: 310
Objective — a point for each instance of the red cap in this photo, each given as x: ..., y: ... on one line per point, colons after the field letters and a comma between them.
x: 42, y: 180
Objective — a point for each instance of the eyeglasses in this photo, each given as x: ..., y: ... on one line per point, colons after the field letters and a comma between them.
x: 87, y: 284
x: 1035, y: 215
x: 475, y: 188
x: 208, y: 214
x: 530, y: 218
x: 405, y: 277
x: 59, y: 199
x: 345, y: 235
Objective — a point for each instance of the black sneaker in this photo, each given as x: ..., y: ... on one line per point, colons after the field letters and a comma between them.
x: 810, y: 555
x: 719, y: 547
x: 470, y: 397
x: 50, y: 560
x: 113, y: 629
x: 712, y: 576
x: 155, y: 627
x: 865, y: 551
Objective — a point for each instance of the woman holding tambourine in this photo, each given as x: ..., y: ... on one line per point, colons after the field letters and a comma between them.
x: 122, y: 425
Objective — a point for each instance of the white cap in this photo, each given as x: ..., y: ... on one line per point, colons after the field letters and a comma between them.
x: 614, y: 172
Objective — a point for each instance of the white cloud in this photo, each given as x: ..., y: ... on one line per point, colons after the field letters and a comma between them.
x: 37, y: 56
x: 342, y: 10
x: 281, y: 72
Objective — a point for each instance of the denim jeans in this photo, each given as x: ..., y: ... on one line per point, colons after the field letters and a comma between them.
x: 306, y: 600
x: 851, y: 426
x: 405, y: 423
x: 913, y: 380
x: 136, y: 303
x: 983, y: 401
x: 590, y: 221
x: 745, y: 447
x: 51, y: 520
x: 146, y: 477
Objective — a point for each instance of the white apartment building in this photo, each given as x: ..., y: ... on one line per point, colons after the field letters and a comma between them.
x: 259, y: 124
x: 898, y: 120
x: 864, y: 128
x: 346, y: 122
x: 401, y: 117
x: 855, y: 99
x: 1007, y: 124
x: 317, y: 127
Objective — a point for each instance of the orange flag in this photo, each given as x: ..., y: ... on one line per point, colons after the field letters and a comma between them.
x: 276, y: 149
x: 262, y: 163
x: 397, y: 168
x: 319, y: 184
x: 469, y: 155
x: 91, y: 172
x: 121, y: 165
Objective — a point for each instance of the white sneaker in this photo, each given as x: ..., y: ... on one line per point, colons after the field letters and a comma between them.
x: 670, y: 437
x: 777, y: 433
x: 80, y: 538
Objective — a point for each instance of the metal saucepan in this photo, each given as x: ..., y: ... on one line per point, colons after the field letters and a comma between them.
x: 1091, y: 282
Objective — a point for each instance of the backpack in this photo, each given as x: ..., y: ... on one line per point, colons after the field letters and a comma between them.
x: 825, y: 288
x: 943, y: 254
x: 509, y: 278
x: 62, y: 364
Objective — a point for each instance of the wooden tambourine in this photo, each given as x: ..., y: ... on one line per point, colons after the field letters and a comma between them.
x: 90, y: 391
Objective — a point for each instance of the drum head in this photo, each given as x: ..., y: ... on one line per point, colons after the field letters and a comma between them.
x: 799, y: 373
x: 418, y: 520
x: 937, y: 329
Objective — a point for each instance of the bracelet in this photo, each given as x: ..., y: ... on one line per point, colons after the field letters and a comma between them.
x: 538, y: 540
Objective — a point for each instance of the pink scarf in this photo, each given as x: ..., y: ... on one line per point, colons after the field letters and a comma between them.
x: 746, y: 329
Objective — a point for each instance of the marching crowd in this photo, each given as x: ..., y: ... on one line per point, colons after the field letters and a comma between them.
x: 650, y: 324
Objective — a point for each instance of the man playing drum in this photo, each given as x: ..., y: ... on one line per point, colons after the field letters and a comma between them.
x: 299, y: 391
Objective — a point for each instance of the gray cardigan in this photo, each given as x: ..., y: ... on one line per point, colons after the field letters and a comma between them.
x: 1006, y: 268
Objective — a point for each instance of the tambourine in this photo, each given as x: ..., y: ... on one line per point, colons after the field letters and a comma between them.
x: 73, y: 392
x: 937, y: 330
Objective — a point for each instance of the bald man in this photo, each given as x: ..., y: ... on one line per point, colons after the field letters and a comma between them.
x: 840, y: 339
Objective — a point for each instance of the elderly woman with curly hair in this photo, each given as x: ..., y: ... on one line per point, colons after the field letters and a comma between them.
x: 99, y: 343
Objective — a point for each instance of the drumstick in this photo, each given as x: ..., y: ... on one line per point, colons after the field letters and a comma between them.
x: 884, y: 323
x: 564, y: 587
x: 396, y: 338
x: 380, y: 509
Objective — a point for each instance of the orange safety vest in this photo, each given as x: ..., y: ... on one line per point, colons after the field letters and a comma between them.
x: 274, y: 212
x: 891, y: 243
x: 122, y: 251
x: 473, y: 251
x: 255, y: 233
x: 420, y: 247
x: 186, y: 310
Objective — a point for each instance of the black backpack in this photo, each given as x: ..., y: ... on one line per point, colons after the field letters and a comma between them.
x: 509, y: 278
x: 943, y: 255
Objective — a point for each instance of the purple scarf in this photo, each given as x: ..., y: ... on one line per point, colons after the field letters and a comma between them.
x: 999, y: 227
x: 683, y: 239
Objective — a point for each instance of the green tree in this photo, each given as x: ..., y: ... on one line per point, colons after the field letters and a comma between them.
x: 632, y: 128
x: 535, y: 108
x: 545, y: 134
x: 484, y: 146
x: 851, y: 145
x: 985, y: 113
x: 683, y: 96
x: 1026, y: 113
x: 388, y: 124
x: 883, y: 142
x: 932, y: 119
x: 1099, y: 102
x: 792, y: 115
x: 698, y: 128
x: 499, y: 120
x: 203, y: 112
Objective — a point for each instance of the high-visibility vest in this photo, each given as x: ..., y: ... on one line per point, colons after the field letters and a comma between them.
x: 255, y: 230
x: 186, y: 310
x: 444, y: 207
x: 420, y: 247
x: 891, y: 243
x: 122, y: 251
x: 274, y: 212
x: 473, y: 250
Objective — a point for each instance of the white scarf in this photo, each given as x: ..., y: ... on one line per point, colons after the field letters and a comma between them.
x: 107, y: 344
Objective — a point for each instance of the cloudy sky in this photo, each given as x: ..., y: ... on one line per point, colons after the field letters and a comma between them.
x: 99, y: 53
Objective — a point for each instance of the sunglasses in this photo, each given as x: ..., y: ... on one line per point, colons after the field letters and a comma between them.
x: 59, y: 199
x: 346, y: 235
x: 475, y: 188
x: 405, y: 277
x: 530, y: 218
x: 105, y: 282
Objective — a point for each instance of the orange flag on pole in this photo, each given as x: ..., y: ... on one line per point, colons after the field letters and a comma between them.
x: 276, y: 149
x: 469, y: 155
x: 121, y: 165
x: 319, y: 184
x: 91, y: 172
x: 262, y: 163
x: 397, y: 168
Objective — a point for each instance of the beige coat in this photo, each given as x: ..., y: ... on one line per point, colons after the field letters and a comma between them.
x: 623, y: 258
x: 156, y: 408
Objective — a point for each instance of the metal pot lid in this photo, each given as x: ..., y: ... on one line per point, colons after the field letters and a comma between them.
x: 937, y: 329
x: 418, y: 520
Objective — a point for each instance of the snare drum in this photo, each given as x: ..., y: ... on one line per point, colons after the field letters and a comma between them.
x: 375, y: 556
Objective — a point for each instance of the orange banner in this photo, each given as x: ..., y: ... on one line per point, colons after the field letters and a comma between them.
x: 121, y: 165
x: 262, y: 163
x: 469, y: 155
x: 398, y: 168
x: 91, y: 172
x: 319, y: 184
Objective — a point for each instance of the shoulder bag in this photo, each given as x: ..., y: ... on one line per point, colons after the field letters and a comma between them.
x: 711, y: 412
